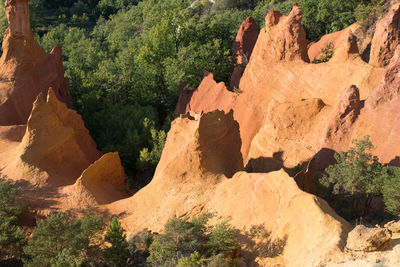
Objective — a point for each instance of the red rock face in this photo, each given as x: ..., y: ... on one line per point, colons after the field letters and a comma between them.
x: 242, y: 48
x: 386, y: 38
x: 26, y: 69
x: 380, y: 117
x: 208, y: 97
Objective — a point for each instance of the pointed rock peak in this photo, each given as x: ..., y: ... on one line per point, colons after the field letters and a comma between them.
x: 345, y: 47
x: 101, y: 183
x: 273, y: 17
x: 209, y: 96
x: 248, y: 24
x: 285, y: 38
x: 386, y: 38
x: 26, y: 69
x: 296, y: 14
x: 56, y: 143
x: 242, y: 49
x: 18, y: 17
x: 209, y: 143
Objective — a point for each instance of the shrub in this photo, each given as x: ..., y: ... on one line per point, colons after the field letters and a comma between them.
x: 326, y: 54
x: 182, y: 238
x: 358, y: 172
x: 222, y: 239
x: 194, y: 260
x: 193, y: 243
x: 391, y: 191
x: 11, y: 235
x: 59, y: 239
x: 117, y: 253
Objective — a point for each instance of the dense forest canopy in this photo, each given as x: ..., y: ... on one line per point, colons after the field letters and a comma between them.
x: 126, y: 58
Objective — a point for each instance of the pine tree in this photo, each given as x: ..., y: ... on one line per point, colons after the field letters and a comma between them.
x: 117, y: 253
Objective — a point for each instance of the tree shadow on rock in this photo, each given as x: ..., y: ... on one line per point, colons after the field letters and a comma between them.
x: 257, y: 242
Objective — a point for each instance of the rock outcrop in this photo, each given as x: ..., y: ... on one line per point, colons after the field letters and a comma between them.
x: 345, y: 114
x: 101, y: 183
x: 380, y: 117
x: 386, y: 38
x: 367, y: 239
x: 293, y: 129
x: 278, y: 72
x: 285, y: 36
x: 56, y: 147
x: 26, y: 69
x: 242, y: 48
x: 192, y: 178
x: 209, y: 96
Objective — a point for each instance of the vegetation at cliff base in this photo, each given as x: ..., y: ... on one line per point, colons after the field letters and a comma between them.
x: 359, y: 177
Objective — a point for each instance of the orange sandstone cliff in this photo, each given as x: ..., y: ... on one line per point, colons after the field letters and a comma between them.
x: 26, y: 69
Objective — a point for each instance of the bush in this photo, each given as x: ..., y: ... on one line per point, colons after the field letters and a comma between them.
x: 59, y: 239
x: 117, y: 253
x: 12, y: 237
x: 391, y: 191
x: 326, y: 54
x: 222, y: 240
x: 194, y: 260
x: 193, y: 243
x: 358, y: 172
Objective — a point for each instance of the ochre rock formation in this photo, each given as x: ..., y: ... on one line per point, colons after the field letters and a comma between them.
x: 285, y: 36
x: 209, y: 96
x: 191, y: 179
x: 242, y: 48
x: 56, y: 146
x: 101, y: 183
x: 25, y: 68
x: 291, y: 129
x: 386, y: 38
x: 279, y: 72
x: 380, y: 117
x: 344, y: 115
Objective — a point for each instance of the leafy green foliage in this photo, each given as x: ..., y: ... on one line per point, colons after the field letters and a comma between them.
x: 326, y: 54
x: 59, y: 239
x: 391, y: 191
x: 192, y: 242
x: 359, y: 172
x: 117, y: 253
x: 194, y: 260
x: 11, y: 235
x: 222, y: 239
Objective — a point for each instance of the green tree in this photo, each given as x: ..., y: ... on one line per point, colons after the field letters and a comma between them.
x: 222, y: 240
x: 182, y: 238
x: 194, y: 260
x: 391, y: 191
x: 12, y: 237
x: 358, y: 172
x: 59, y: 238
x: 117, y: 253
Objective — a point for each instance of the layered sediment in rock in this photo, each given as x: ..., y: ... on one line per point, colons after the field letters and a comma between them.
x: 56, y: 147
x: 191, y: 179
x: 101, y: 183
x: 26, y: 69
